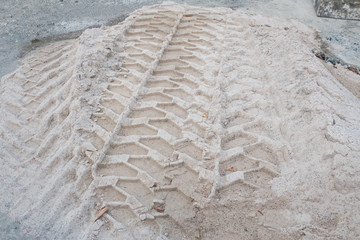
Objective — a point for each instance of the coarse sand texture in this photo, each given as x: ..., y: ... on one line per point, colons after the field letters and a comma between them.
x: 186, y: 123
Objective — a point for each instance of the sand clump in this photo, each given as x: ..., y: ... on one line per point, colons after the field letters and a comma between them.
x: 186, y: 123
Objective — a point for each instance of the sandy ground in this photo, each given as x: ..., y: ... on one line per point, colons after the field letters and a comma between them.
x: 27, y: 24
x: 186, y: 123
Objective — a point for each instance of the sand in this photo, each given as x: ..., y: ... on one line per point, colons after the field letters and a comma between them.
x: 187, y: 123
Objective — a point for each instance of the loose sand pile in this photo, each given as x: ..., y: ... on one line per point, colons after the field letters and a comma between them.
x: 187, y: 123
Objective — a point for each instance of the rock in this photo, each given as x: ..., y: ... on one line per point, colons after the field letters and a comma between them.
x: 343, y: 9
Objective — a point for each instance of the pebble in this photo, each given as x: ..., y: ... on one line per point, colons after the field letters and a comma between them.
x: 117, y: 67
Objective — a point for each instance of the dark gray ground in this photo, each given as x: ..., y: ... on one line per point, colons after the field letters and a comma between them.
x: 23, y: 23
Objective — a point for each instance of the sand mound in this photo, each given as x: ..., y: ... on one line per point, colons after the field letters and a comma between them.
x: 187, y: 123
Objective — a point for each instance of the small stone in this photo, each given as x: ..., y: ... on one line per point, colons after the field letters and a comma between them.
x: 196, y: 205
x: 117, y: 67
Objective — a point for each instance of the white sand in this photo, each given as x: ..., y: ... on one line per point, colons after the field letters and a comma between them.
x: 246, y: 134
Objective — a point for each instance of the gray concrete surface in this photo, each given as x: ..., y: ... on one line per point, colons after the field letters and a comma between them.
x: 27, y: 24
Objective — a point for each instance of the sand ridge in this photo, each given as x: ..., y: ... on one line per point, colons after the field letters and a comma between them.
x: 187, y: 123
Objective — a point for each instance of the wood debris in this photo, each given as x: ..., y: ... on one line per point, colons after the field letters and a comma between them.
x: 159, y: 210
x: 231, y: 169
x: 101, y: 212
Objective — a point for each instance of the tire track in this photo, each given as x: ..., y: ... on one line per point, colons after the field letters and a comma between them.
x: 53, y: 110
x: 45, y: 90
x: 159, y: 150
x: 25, y: 98
x: 252, y: 148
